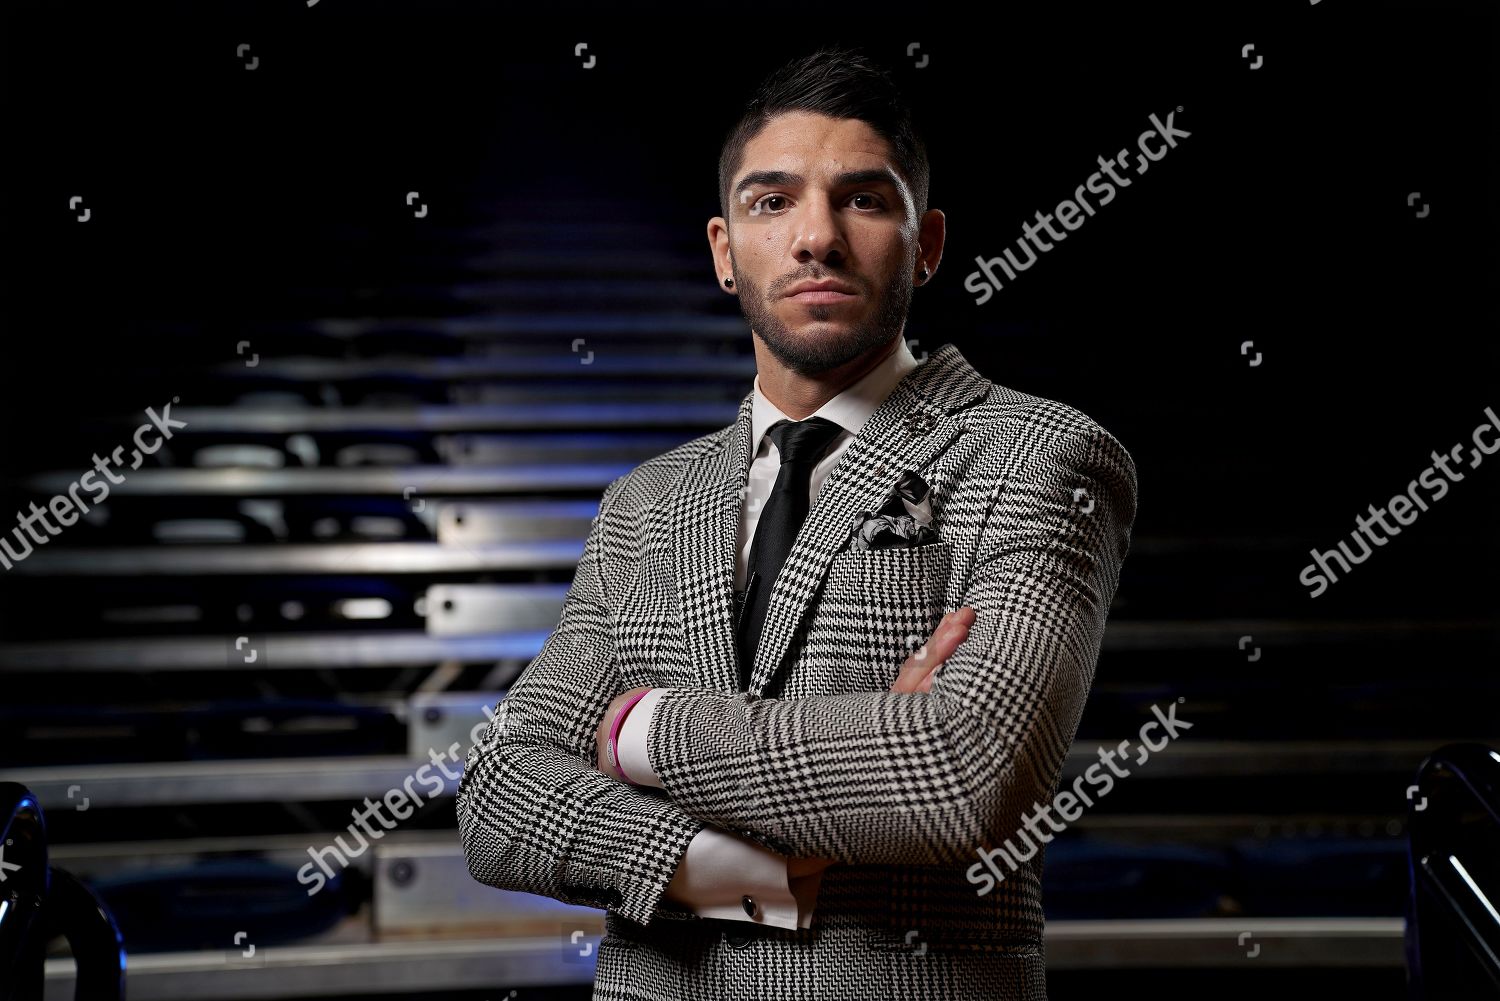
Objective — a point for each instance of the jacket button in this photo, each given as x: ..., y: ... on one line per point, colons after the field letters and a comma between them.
x: 738, y: 940
x: 748, y: 903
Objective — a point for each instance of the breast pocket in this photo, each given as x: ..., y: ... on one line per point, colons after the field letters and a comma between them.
x: 878, y: 606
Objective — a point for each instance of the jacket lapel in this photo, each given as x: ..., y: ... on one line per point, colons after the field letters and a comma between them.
x: 916, y: 422
x: 705, y: 527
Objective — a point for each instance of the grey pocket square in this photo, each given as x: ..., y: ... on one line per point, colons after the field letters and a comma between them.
x: 903, y: 519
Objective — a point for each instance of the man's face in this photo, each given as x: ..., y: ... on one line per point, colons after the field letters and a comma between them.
x: 818, y: 199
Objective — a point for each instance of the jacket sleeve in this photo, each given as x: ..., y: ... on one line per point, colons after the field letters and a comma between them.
x: 926, y: 778
x: 721, y: 868
x: 534, y: 812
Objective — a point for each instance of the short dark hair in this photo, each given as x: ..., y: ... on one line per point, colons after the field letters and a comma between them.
x: 840, y: 82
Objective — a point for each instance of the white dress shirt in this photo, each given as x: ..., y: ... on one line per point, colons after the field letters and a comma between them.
x: 719, y: 867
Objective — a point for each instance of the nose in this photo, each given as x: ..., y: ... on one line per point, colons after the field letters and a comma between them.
x: 818, y: 236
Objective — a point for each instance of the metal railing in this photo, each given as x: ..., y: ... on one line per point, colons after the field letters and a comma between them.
x: 1453, y: 921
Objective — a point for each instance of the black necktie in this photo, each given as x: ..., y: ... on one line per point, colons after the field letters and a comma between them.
x: 801, y: 444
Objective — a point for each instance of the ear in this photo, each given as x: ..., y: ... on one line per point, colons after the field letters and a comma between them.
x: 930, y: 237
x: 718, y: 247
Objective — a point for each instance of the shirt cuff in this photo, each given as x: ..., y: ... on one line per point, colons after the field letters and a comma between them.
x: 631, y: 743
x: 720, y: 869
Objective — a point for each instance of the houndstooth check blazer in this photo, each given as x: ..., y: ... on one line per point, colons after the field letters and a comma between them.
x: 1033, y: 503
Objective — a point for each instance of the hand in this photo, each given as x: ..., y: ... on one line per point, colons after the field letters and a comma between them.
x: 917, y: 673
x: 796, y: 868
x: 601, y: 735
x: 685, y: 889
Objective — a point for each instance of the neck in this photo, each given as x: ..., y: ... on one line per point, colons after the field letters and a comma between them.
x: 800, y: 396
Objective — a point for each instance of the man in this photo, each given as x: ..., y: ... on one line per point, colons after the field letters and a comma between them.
x: 800, y: 782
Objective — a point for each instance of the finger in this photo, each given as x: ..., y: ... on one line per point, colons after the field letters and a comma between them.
x: 915, y: 667
x: 950, y: 632
x: 945, y: 639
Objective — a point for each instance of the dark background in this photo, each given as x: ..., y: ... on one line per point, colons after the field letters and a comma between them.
x: 230, y: 204
x: 222, y: 196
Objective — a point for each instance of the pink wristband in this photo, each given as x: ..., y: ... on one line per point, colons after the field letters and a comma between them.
x: 614, y: 732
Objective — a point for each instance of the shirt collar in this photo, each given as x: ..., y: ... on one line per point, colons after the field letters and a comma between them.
x: 850, y: 408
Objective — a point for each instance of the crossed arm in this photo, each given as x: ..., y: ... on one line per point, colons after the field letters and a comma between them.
x: 888, y: 777
x: 534, y: 814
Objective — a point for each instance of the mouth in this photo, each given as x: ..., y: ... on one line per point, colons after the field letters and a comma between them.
x: 813, y: 296
x: 826, y: 290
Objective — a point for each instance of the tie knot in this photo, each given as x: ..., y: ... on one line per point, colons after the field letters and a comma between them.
x: 803, y: 441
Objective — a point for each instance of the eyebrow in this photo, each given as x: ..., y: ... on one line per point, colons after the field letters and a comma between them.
x: 784, y: 178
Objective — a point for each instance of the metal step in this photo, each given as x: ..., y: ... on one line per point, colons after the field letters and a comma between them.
x: 302, y: 558
x: 411, y: 482
x: 512, y: 365
x: 500, y: 964
x: 353, y: 649
x: 460, y: 417
x: 162, y: 783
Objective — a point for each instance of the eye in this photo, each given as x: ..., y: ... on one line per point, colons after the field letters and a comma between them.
x: 763, y: 204
x: 877, y: 201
